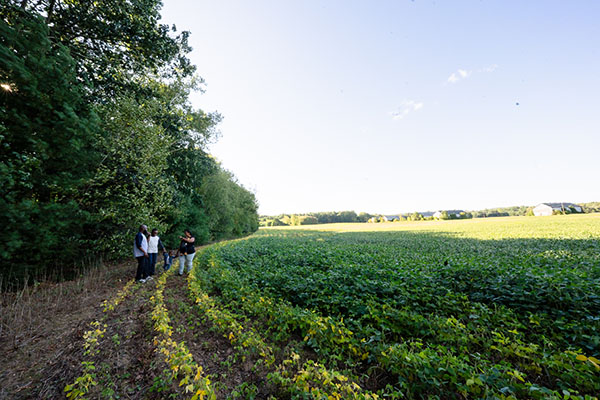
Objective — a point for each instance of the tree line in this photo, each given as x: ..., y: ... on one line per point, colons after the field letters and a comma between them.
x: 351, y: 216
x: 314, y: 218
x: 97, y: 135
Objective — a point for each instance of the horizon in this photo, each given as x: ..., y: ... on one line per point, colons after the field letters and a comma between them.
x: 400, y: 105
x: 431, y: 210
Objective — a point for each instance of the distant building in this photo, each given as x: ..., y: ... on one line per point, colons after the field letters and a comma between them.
x: 451, y: 213
x: 390, y: 218
x: 427, y: 214
x: 551, y: 208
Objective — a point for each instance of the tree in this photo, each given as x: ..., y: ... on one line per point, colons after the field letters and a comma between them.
x: 114, y: 43
x: 307, y: 220
x: 129, y: 185
x: 46, y: 132
x: 231, y: 209
x: 363, y: 217
x: 416, y: 216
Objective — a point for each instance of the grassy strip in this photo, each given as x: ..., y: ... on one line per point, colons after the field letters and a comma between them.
x: 297, y: 380
x: 180, y: 361
x: 84, y: 383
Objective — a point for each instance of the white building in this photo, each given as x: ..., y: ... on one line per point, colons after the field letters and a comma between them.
x: 550, y: 208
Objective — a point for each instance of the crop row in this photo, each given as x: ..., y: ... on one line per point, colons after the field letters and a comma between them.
x: 293, y: 376
x: 182, y: 367
x: 82, y: 385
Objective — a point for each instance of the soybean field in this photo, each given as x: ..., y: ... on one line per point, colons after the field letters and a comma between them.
x: 500, y: 308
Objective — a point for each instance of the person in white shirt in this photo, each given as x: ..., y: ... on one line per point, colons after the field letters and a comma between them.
x: 140, y: 252
x: 154, y: 244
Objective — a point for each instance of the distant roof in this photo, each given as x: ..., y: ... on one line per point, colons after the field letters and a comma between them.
x: 427, y: 213
x: 559, y: 205
x: 392, y: 216
x: 453, y: 211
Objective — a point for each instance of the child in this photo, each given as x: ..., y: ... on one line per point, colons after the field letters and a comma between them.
x: 154, y: 244
x: 168, y: 256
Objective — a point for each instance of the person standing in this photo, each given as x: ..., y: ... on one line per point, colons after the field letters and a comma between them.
x: 154, y: 244
x: 187, y: 251
x: 140, y: 252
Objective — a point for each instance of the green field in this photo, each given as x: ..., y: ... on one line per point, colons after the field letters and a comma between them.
x: 484, y: 308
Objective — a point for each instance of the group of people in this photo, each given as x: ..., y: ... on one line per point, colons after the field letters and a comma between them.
x: 145, y: 250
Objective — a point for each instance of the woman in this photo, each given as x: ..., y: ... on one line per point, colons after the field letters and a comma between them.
x: 186, y: 251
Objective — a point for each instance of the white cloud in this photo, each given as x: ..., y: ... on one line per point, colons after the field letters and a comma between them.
x: 405, y: 108
x: 490, y: 68
x: 461, y: 74
x: 458, y: 75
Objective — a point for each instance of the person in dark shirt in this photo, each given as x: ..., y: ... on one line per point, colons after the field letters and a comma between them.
x: 187, y: 251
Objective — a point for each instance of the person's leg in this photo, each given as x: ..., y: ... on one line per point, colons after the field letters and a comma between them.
x: 152, y: 261
x: 189, y: 259
x: 139, y: 274
x: 181, y: 264
x: 146, y: 267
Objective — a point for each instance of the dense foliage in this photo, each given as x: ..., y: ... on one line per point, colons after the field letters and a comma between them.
x: 97, y: 136
x: 482, y: 309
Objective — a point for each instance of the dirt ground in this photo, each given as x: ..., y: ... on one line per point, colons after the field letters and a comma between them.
x: 41, y: 331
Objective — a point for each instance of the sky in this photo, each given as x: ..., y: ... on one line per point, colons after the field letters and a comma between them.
x: 401, y: 106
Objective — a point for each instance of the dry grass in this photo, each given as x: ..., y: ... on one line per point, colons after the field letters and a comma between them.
x: 41, y: 328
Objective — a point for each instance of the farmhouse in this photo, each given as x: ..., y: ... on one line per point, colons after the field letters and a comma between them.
x: 451, y: 213
x: 551, y: 208
x: 389, y: 218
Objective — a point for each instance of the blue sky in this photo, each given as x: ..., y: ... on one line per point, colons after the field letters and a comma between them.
x: 397, y: 106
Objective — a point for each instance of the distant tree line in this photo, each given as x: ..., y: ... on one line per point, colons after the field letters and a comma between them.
x: 97, y: 135
x: 314, y: 218
x: 351, y: 216
x: 503, y: 212
x: 592, y: 207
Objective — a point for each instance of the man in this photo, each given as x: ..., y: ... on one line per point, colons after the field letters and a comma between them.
x: 140, y: 252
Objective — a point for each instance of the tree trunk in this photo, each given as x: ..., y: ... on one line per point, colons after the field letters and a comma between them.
x: 50, y: 10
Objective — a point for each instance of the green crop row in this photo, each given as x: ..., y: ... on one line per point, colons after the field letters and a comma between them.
x: 293, y: 377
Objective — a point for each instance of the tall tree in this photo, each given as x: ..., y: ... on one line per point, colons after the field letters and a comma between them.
x: 46, y: 134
